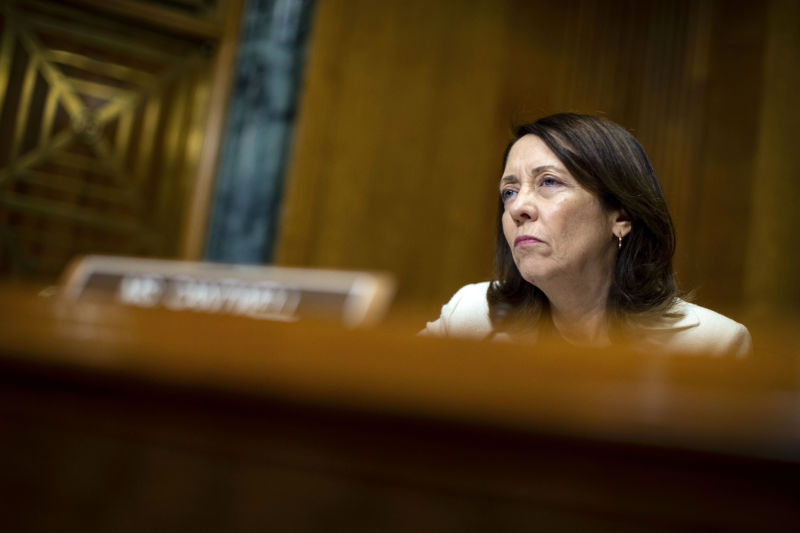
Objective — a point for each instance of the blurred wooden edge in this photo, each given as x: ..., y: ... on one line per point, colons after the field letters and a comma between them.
x: 730, y: 406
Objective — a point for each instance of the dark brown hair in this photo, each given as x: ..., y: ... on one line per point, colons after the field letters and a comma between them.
x: 608, y: 161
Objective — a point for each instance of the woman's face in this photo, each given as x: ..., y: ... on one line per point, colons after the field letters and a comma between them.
x: 559, y: 233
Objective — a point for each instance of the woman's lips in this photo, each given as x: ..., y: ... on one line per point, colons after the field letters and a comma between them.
x: 524, y: 240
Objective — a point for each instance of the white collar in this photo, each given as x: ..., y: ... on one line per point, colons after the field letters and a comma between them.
x: 687, y: 318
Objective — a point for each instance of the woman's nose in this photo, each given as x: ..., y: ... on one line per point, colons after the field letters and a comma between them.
x: 523, y: 207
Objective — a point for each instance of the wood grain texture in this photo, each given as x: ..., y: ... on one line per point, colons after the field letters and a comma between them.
x: 773, y: 259
x: 398, y: 107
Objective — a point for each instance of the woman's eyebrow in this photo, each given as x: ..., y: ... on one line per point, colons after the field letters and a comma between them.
x: 546, y: 167
x: 537, y: 170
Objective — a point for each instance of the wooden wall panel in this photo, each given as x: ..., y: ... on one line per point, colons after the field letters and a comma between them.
x: 730, y: 130
x: 109, y: 123
x: 391, y: 168
x: 773, y: 259
x: 406, y: 113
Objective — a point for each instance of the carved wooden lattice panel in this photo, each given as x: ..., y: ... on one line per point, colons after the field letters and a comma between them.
x: 101, y: 126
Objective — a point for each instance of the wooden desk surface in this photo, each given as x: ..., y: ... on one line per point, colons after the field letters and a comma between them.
x: 530, y: 427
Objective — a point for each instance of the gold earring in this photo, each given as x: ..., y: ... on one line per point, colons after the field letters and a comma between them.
x: 619, y: 244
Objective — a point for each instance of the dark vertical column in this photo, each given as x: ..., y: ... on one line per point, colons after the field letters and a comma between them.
x: 259, y: 129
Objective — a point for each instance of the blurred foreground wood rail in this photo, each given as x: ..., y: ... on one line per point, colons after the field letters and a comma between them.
x: 123, y: 419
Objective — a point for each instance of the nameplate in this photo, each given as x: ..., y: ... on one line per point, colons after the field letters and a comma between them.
x: 261, y: 292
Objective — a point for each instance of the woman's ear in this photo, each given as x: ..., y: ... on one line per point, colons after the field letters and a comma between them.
x: 621, y: 223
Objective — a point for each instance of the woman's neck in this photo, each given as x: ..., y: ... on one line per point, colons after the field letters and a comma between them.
x: 581, y: 316
x: 589, y: 329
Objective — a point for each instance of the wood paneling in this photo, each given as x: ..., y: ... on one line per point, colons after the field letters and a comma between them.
x: 406, y: 108
x: 717, y: 250
x: 108, y: 113
x: 391, y: 168
x: 773, y: 260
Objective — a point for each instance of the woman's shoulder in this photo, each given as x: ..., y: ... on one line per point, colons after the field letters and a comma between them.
x: 466, y: 314
x: 685, y: 328
x: 690, y: 328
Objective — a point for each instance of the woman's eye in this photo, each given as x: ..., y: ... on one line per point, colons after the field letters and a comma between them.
x: 505, y: 194
x: 550, y: 182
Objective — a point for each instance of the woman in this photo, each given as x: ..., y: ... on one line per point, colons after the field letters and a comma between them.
x: 584, y: 249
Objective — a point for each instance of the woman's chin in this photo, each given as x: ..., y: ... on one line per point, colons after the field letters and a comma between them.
x: 534, y: 277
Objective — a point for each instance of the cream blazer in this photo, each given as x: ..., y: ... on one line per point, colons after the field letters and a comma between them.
x: 699, y: 330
